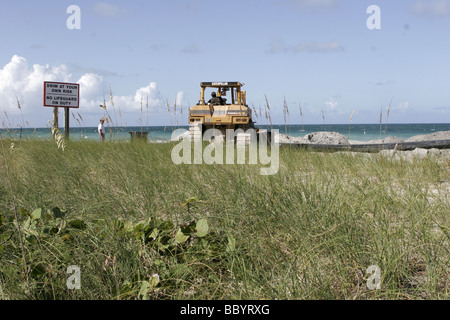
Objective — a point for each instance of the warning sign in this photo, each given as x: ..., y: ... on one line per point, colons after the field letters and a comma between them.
x: 60, y: 94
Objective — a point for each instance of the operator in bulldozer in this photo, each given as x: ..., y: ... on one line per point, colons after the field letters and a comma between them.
x: 215, y: 101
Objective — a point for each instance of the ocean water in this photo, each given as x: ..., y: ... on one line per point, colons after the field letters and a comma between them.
x: 360, y: 132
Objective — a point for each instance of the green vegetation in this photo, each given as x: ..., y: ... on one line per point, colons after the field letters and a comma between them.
x: 140, y: 227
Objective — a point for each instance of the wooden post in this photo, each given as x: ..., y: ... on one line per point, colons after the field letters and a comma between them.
x: 55, y: 120
x: 66, y: 123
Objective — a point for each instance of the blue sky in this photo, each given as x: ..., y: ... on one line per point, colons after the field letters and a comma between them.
x: 318, y: 54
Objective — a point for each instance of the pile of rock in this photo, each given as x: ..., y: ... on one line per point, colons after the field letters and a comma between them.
x: 322, y: 137
x: 327, y: 138
x: 418, y: 153
x: 294, y: 140
x: 440, y: 135
x: 336, y: 138
x: 391, y: 139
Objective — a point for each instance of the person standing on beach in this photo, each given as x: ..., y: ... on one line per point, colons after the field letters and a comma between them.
x: 101, y: 129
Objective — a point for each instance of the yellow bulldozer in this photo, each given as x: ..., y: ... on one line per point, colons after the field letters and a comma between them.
x: 219, y: 112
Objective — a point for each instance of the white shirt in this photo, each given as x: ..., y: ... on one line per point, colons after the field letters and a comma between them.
x: 100, y: 127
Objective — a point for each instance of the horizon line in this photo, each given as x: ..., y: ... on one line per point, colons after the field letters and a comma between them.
x: 261, y: 125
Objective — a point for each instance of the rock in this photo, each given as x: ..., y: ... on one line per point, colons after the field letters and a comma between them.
x: 440, y: 135
x: 388, y: 153
x: 391, y: 140
x: 288, y: 139
x: 327, y: 138
x: 434, y: 152
x: 420, y: 153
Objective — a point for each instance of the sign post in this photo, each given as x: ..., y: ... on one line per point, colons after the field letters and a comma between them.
x: 66, y: 123
x: 61, y: 94
x: 55, y: 120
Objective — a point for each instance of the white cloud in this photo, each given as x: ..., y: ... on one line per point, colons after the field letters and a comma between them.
x: 431, y: 8
x: 403, y: 106
x: 442, y: 110
x: 107, y: 10
x: 277, y: 45
x: 180, y: 98
x: 314, y: 46
x: 314, y: 3
x: 18, y: 81
x: 91, y: 86
x: 13, y: 72
x: 311, y: 5
x: 97, y: 94
x: 193, y: 48
x: 146, y: 94
x: 332, y: 104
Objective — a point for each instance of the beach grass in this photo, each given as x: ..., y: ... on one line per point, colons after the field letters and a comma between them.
x: 140, y: 227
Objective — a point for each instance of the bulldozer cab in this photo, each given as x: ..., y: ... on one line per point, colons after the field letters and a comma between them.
x: 222, y: 105
x: 222, y: 93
